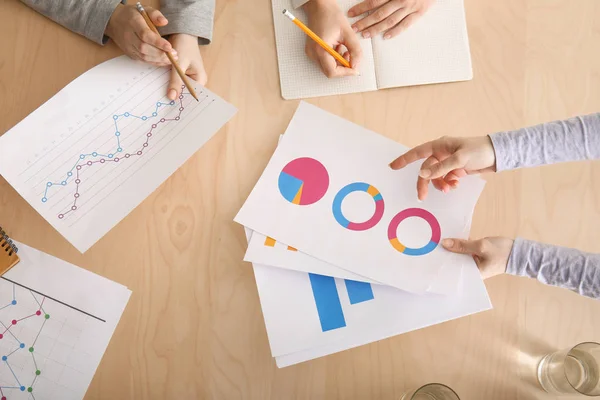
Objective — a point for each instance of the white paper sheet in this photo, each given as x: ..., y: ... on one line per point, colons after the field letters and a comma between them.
x: 264, y: 250
x: 93, y: 152
x: 295, y: 328
x: 435, y: 49
x: 65, y: 317
x: 351, y: 154
x: 279, y: 255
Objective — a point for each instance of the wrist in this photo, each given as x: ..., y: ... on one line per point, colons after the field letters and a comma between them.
x: 110, y: 27
x: 491, y: 151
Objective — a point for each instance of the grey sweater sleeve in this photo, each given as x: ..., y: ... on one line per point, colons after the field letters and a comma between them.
x: 299, y: 3
x: 194, y: 17
x: 573, y: 139
x: 87, y: 18
x: 90, y: 18
x: 557, y: 266
x: 560, y: 141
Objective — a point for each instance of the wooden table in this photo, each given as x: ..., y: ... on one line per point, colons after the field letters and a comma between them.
x: 194, y: 329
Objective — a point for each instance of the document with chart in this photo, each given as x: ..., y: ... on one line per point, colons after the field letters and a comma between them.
x: 310, y: 315
x: 56, y: 321
x: 93, y: 152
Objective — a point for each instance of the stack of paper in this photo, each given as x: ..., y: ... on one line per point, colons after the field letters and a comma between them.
x: 343, y: 252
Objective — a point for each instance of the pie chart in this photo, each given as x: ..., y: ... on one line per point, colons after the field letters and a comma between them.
x: 303, y: 181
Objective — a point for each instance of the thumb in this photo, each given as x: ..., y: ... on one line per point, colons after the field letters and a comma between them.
x: 461, y: 246
x: 175, y: 82
x: 156, y: 17
x: 354, y: 48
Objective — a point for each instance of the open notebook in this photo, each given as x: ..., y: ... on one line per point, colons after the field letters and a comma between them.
x: 434, y: 49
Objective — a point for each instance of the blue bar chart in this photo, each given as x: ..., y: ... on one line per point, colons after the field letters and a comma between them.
x: 327, y: 299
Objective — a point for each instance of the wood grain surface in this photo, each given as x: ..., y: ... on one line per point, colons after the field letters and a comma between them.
x: 194, y: 329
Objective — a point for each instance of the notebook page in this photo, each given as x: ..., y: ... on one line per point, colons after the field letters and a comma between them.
x: 434, y: 49
x: 301, y: 77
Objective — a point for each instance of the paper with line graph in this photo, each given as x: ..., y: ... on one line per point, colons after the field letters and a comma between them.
x: 56, y: 321
x: 85, y: 161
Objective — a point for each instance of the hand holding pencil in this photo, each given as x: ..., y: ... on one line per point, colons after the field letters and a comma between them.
x: 331, y: 42
x: 176, y: 67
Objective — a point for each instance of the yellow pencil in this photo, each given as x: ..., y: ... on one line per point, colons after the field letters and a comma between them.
x: 317, y: 39
x: 169, y: 56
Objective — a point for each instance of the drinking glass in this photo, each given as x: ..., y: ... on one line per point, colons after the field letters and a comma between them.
x: 572, y: 371
x: 431, y: 391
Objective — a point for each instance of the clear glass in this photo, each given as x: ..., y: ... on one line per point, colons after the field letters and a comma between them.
x: 431, y: 391
x: 572, y: 371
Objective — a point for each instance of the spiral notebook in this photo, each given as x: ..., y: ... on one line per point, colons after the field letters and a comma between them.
x: 435, y: 49
x: 8, y: 252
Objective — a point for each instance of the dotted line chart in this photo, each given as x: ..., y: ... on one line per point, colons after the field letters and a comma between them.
x: 119, y: 154
x: 6, y: 334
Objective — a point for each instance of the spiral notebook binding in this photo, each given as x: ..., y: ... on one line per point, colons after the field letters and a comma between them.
x: 7, y: 244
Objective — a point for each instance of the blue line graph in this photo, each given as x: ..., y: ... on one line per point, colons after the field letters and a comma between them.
x: 86, y: 160
x: 118, y: 149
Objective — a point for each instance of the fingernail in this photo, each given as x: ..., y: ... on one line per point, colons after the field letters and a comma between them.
x: 162, y: 20
x: 446, y: 189
x: 387, y: 36
x: 447, y: 242
x: 355, y: 29
x: 419, y: 200
x: 172, y: 94
x: 425, y: 173
x: 366, y: 35
x: 174, y: 52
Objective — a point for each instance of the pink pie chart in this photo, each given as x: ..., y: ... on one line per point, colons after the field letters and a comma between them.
x: 303, y: 181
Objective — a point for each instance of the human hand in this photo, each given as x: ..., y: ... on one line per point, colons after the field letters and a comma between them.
x: 391, y: 17
x: 129, y: 30
x: 490, y: 254
x: 447, y: 160
x: 190, y: 62
x: 327, y: 20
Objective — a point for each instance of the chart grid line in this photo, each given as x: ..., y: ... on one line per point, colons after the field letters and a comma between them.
x: 54, y: 299
x: 82, y: 125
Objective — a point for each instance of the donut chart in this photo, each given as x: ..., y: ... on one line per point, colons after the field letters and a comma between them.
x: 303, y: 181
x: 358, y: 187
x: 436, y: 232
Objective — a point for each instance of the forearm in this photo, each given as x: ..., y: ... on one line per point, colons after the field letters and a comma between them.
x: 574, y: 139
x: 192, y: 17
x: 88, y: 18
x: 556, y: 266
